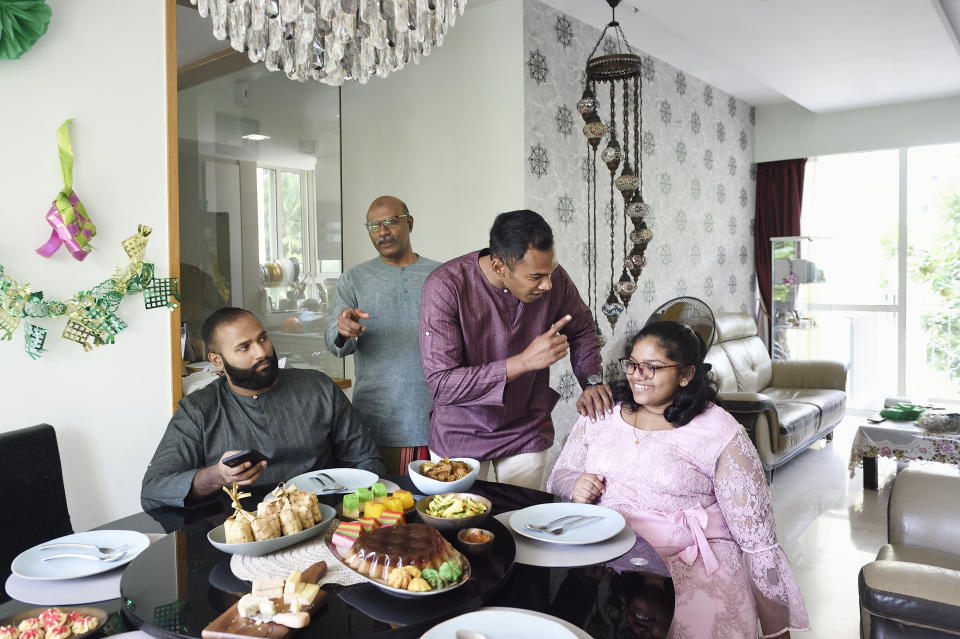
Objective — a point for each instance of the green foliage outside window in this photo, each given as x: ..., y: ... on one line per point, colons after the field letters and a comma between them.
x: 939, y: 269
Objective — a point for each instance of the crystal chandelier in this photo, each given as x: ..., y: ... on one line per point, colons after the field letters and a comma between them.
x: 332, y: 40
x: 619, y: 67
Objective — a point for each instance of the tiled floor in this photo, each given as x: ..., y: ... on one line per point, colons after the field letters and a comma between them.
x: 829, y: 527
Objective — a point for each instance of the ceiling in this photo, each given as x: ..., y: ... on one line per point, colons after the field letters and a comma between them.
x: 824, y: 55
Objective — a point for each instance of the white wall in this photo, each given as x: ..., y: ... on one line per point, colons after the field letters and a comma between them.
x: 446, y: 136
x: 110, y: 405
x: 790, y: 131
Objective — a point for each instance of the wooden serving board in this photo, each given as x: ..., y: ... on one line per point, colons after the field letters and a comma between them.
x: 230, y: 625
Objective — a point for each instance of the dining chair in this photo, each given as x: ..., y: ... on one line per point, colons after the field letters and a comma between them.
x: 36, y: 504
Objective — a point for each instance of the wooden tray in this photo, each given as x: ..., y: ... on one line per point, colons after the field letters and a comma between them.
x: 230, y: 625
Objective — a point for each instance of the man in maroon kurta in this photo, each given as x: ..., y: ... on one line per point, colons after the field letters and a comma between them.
x: 491, y: 324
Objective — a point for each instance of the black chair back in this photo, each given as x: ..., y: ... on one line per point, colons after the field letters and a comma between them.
x: 32, y: 483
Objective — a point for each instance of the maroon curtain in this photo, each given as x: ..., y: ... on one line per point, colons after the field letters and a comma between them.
x: 779, y: 195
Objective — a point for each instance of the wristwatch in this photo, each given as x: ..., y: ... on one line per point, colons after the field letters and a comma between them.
x: 594, y: 380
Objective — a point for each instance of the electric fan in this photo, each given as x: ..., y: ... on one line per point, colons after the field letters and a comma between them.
x: 690, y: 311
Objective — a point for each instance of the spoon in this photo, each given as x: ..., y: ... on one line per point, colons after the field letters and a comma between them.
x: 469, y: 634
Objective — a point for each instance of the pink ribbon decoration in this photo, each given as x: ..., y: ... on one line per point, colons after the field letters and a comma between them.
x: 68, y: 217
x: 75, y: 233
x: 664, y: 530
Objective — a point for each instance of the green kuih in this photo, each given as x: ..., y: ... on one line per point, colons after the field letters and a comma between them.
x: 364, y: 494
x: 351, y: 506
x: 379, y: 490
x: 432, y: 577
x: 449, y: 571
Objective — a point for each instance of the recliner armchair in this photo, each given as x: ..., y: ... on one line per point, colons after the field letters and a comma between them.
x: 913, y: 588
x: 785, y: 405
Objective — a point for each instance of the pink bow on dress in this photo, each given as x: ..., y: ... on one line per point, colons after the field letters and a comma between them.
x: 695, y: 520
x: 662, y: 530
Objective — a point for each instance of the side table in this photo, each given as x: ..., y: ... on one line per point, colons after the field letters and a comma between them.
x: 903, y: 441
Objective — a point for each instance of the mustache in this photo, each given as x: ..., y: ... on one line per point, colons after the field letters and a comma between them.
x: 388, y: 238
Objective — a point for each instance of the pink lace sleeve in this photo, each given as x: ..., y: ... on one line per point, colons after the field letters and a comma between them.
x: 569, y: 464
x: 745, y: 501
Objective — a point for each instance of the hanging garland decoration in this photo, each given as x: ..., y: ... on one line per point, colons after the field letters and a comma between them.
x: 67, y: 215
x: 92, y: 319
x: 22, y: 22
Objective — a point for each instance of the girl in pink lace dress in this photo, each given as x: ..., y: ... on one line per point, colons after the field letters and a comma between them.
x: 686, y: 477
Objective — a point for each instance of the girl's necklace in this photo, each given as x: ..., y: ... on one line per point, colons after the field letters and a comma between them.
x: 636, y: 428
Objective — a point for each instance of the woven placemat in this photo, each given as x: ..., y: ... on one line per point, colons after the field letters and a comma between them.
x: 299, y: 557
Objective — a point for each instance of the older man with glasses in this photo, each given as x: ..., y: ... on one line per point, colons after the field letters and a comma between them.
x: 375, y: 317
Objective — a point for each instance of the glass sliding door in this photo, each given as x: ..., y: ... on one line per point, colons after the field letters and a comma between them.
x: 259, y: 198
x: 893, y: 313
x: 851, y: 208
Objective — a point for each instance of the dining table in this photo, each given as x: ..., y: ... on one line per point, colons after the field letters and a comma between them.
x: 181, y: 582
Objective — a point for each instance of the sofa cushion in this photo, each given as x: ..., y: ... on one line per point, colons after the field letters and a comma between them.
x: 751, y: 363
x: 722, y: 370
x: 915, y: 555
x: 831, y: 403
x: 731, y: 326
x: 798, y: 422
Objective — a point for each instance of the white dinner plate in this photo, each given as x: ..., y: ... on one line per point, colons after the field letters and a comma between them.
x: 591, y: 532
x: 534, y: 552
x: 30, y: 565
x: 501, y: 624
x: 349, y: 478
x: 217, y: 537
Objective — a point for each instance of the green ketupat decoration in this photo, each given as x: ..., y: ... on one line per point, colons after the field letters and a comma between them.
x: 22, y: 22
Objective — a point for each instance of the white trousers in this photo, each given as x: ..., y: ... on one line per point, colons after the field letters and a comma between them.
x: 524, y: 469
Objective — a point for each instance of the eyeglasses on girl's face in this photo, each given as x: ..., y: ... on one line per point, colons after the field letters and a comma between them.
x: 388, y: 222
x: 646, y: 371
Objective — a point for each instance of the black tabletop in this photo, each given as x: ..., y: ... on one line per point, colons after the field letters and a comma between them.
x: 181, y: 583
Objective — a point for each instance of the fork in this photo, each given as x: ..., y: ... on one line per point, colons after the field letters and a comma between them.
x: 551, y: 524
x: 100, y: 549
x: 76, y: 555
x: 334, y: 484
x: 576, y: 522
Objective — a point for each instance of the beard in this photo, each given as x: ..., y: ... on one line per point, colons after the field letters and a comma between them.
x: 251, y: 378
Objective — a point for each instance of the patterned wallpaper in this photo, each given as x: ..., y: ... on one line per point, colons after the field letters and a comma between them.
x: 699, y: 178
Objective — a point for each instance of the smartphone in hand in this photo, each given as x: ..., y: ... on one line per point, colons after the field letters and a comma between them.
x: 252, y: 456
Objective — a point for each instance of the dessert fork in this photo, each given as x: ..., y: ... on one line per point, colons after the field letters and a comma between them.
x: 567, y: 524
x: 555, y: 522
x: 76, y: 555
x: 334, y: 484
x: 100, y: 549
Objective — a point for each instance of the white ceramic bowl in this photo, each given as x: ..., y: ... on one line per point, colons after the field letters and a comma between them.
x: 429, y: 486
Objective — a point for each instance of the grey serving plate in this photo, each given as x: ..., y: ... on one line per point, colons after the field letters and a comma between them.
x: 258, y: 548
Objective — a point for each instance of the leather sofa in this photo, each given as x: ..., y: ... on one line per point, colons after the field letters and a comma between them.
x: 785, y: 405
x: 913, y: 587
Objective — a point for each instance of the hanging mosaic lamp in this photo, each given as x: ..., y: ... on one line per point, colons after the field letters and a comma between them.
x: 613, y: 309
x: 641, y: 236
x: 635, y: 262
x: 600, y: 338
x: 627, y: 183
x: 637, y: 208
x: 587, y: 105
x: 612, y: 155
x: 619, y: 69
x: 625, y: 288
x: 594, y: 129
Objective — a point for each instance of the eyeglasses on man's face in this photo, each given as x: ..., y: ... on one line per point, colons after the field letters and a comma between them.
x: 388, y: 222
x: 646, y: 371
